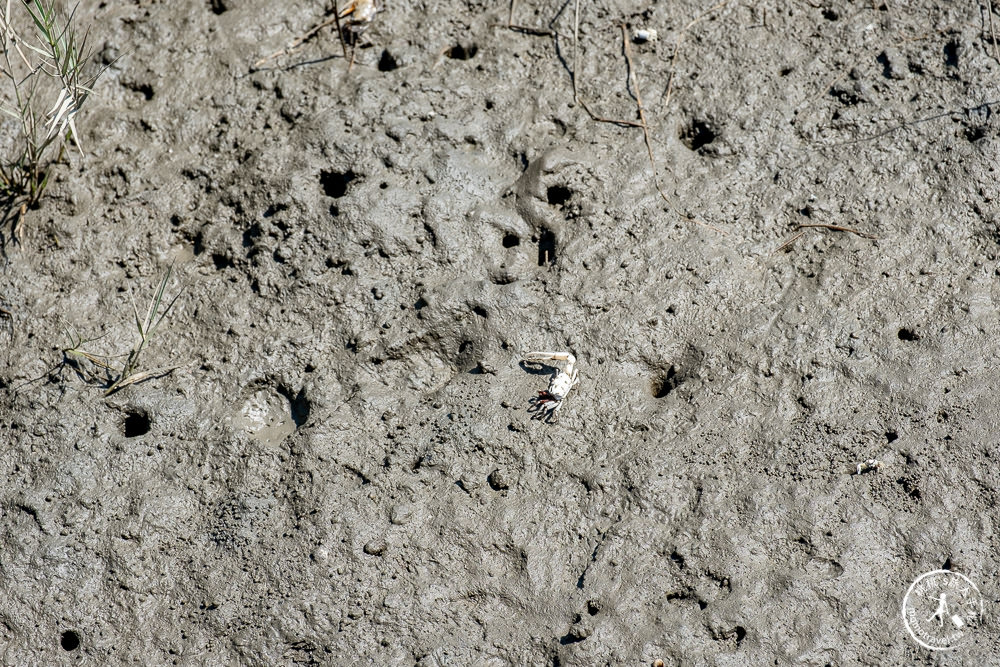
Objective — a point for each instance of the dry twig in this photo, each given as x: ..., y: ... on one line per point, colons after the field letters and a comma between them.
x: 305, y: 37
x: 836, y: 228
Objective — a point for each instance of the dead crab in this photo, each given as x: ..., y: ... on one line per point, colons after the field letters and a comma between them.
x: 549, y: 401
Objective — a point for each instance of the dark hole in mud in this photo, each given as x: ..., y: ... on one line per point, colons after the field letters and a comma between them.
x: 807, y: 211
x: 511, y: 240
x: 298, y: 405
x: 741, y: 633
x: 144, y: 88
x: 461, y: 52
x: 547, y: 248
x: 697, y: 134
x: 883, y: 60
x: 489, y: 104
x: 464, y: 347
x: 69, y: 640
x: 421, y: 303
x: 387, y: 62
x: 218, y: 6
x: 891, y: 436
x: 479, y: 310
x: 908, y: 335
x: 951, y: 54
x: 677, y: 558
x: 785, y: 71
x: 830, y: 14
x: 136, y: 424
x: 221, y: 261
x: 572, y: 637
x: 558, y: 195
x: 335, y: 182
x: 947, y: 564
x: 383, y: 185
x: 909, y: 488
x: 497, y: 481
x: 664, y: 384
x: 334, y: 210
x: 974, y: 133
x: 593, y: 607
x: 274, y: 209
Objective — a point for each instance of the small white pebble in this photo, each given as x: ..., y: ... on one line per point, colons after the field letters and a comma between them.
x: 643, y: 35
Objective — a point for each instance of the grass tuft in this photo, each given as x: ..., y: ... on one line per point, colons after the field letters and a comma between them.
x: 43, y: 61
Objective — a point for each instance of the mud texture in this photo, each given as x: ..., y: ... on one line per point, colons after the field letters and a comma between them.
x: 344, y: 468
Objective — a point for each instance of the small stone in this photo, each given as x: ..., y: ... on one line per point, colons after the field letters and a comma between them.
x: 499, y: 480
x: 375, y: 547
x: 400, y: 514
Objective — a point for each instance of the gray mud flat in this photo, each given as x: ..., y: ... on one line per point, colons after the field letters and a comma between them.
x: 344, y: 468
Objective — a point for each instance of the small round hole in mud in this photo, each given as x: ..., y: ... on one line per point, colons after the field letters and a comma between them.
x: 663, y: 384
x: 511, y: 240
x: 136, y: 424
x: 69, y: 640
x: 462, y: 52
x: 335, y: 182
x: 547, y: 248
x: 697, y: 134
x: 387, y: 62
x: 558, y: 195
x: 908, y: 335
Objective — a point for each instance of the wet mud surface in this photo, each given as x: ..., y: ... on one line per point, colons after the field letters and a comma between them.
x: 344, y: 467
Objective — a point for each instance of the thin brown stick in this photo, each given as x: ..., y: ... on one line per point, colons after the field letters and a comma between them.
x: 288, y: 50
x: 677, y: 47
x: 576, y: 48
x: 633, y: 75
x: 340, y: 30
x: 788, y: 244
x: 993, y: 34
x: 528, y: 30
x: 611, y: 121
x: 838, y: 228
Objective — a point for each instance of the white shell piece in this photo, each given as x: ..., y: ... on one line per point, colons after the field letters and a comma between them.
x: 643, y: 35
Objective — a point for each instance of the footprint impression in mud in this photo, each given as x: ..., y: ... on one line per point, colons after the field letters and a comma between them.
x: 265, y: 416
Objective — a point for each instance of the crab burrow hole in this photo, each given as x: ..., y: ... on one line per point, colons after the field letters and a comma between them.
x: 697, y: 134
x: 299, y: 405
x: 462, y: 52
x: 335, y: 183
x: 664, y: 382
x: 546, y: 248
x: 557, y: 195
x: 69, y: 640
x: 136, y: 423
x: 387, y: 62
